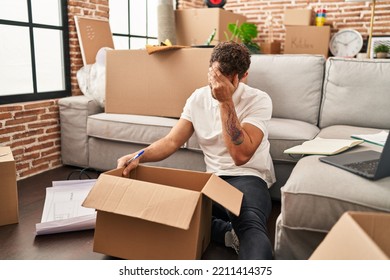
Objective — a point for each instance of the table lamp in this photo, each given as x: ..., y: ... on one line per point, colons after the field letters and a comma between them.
x: 373, y: 2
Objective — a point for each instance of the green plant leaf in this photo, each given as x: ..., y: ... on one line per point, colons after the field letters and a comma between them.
x: 245, y: 32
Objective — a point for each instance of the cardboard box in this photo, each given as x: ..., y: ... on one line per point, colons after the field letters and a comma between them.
x: 154, y: 85
x: 9, y: 212
x: 298, y: 17
x: 270, y: 48
x: 93, y: 34
x: 357, y: 236
x: 157, y: 213
x: 307, y: 40
x: 194, y: 26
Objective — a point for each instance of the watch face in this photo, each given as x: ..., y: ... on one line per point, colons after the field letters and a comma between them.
x: 346, y: 43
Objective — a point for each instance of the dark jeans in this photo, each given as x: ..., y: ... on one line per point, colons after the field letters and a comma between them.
x: 251, y: 225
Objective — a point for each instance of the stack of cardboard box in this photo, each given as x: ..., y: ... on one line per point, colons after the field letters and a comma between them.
x: 302, y: 37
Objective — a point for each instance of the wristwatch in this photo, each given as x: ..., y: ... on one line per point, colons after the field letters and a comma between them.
x: 346, y: 43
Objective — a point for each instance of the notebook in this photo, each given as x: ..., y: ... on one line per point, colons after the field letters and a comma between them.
x: 369, y: 164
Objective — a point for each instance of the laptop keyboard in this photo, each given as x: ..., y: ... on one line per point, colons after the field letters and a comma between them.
x: 368, y: 166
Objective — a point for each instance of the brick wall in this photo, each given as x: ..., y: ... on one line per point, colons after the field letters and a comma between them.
x: 340, y: 14
x: 32, y: 131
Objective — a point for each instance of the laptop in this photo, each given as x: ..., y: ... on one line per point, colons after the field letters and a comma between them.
x: 369, y: 164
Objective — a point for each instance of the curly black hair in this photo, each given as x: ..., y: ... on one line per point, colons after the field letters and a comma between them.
x: 234, y: 58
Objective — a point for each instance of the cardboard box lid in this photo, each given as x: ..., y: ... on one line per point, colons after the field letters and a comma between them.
x: 224, y: 194
x: 357, y: 236
x: 93, y: 34
x: 148, y: 201
x: 160, y: 200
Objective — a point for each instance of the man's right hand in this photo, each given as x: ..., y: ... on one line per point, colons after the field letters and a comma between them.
x: 122, y: 162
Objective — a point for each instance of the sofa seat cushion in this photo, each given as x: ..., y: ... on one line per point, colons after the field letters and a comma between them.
x: 345, y: 131
x: 286, y: 133
x: 316, y: 194
x: 135, y: 129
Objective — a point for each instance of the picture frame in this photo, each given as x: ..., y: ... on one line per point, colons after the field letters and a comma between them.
x: 377, y: 40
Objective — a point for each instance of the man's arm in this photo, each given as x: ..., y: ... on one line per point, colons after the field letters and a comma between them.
x: 162, y: 148
x: 241, y: 140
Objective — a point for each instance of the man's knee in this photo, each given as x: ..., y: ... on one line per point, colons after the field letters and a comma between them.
x: 250, y: 219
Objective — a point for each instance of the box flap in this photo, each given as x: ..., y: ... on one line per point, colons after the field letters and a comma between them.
x: 348, y: 241
x: 377, y: 227
x: 223, y: 193
x: 149, y: 201
x: 93, y: 34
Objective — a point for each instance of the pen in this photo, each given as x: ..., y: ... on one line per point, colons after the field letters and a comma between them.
x: 135, y: 157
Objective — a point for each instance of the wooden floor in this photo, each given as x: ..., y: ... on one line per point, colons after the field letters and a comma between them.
x: 19, y: 241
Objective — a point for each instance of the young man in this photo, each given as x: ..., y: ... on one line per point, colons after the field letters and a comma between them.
x: 230, y: 120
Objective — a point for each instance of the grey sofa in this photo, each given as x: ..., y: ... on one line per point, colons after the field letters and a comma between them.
x: 311, y: 96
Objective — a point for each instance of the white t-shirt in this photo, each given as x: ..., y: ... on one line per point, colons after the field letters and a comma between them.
x: 252, y: 106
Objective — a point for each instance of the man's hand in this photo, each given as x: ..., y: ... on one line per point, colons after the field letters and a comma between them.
x: 123, y: 162
x: 222, y: 87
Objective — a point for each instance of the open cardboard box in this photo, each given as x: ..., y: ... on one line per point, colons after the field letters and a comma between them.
x: 357, y: 236
x: 157, y: 213
x: 9, y: 211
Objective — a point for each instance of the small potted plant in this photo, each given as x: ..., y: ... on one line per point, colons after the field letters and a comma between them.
x: 245, y: 32
x: 381, y: 51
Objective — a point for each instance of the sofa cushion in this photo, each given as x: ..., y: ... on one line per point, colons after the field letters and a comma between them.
x: 366, y: 83
x: 103, y: 155
x: 286, y: 133
x: 135, y: 129
x: 345, y: 131
x: 294, y: 83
